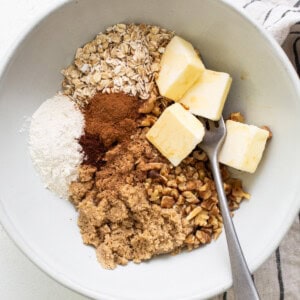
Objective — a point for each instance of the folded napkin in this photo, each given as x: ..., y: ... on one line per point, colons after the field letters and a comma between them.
x: 279, y: 277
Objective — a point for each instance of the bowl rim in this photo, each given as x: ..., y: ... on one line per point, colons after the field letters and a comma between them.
x: 75, y: 286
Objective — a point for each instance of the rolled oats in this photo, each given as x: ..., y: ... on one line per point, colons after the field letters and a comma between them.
x: 124, y: 58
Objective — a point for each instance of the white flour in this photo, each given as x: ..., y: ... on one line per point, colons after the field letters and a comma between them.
x: 25, y: 125
x: 55, y: 127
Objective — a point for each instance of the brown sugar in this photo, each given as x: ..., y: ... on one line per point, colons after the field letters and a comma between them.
x: 115, y: 215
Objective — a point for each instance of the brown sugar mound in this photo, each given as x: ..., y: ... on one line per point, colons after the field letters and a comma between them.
x: 126, y: 227
x: 115, y: 215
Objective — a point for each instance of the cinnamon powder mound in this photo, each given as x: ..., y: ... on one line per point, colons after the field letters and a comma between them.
x: 110, y: 119
x: 93, y: 149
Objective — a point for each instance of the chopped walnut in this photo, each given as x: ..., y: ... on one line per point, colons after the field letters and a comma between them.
x: 149, y: 120
x: 269, y: 130
x: 167, y: 202
x: 202, y: 218
x: 193, y: 213
x: 237, y: 116
x: 203, y: 237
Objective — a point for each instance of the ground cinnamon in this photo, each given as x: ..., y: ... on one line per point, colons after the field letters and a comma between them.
x: 110, y: 119
x: 93, y: 148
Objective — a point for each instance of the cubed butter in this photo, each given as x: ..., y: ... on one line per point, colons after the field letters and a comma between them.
x: 206, y: 98
x: 244, y: 146
x: 176, y: 133
x: 180, y: 68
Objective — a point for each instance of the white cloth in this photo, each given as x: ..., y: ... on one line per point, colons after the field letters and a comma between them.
x: 277, y: 16
x: 279, y: 277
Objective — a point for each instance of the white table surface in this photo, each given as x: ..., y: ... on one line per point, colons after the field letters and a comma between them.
x: 20, y: 279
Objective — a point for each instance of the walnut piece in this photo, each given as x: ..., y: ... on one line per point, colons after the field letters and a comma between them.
x: 237, y: 116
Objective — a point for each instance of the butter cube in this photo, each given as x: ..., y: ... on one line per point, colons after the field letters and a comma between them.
x: 176, y: 133
x: 206, y: 98
x: 180, y: 68
x: 243, y: 147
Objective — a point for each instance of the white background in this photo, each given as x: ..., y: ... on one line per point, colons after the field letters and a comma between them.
x: 19, y: 278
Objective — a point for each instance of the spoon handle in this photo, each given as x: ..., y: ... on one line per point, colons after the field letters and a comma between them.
x: 243, y: 284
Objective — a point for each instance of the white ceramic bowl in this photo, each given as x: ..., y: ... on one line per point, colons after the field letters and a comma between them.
x: 265, y: 88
